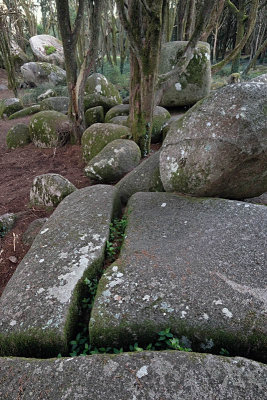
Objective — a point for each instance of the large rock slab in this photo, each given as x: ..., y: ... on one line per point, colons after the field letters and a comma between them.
x: 60, y: 104
x: 38, y: 73
x: 48, y: 49
x: 144, y: 178
x: 137, y: 376
x: 39, y: 306
x: 195, y: 83
x: 194, y: 265
x: 10, y: 106
x: 18, y: 136
x: 219, y: 148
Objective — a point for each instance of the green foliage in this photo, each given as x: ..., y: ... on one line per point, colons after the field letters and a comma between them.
x: 116, y: 237
x: 224, y: 352
x: 113, y: 74
x: 49, y: 50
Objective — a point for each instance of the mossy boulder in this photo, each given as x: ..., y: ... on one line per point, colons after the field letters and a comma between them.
x: 7, y: 222
x: 50, y: 189
x: 18, y: 136
x: 47, y: 48
x: 101, y: 92
x: 49, y: 129
x: 144, y: 178
x: 26, y: 111
x: 10, y: 106
x: 97, y: 136
x: 37, y: 73
x: 219, y: 147
x: 60, y: 104
x: 119, y: 110
x: 195, y: 83
x: 32, y: 231
x: 94, y: 115
x: 115, y: 160
x: 120, y: 120
x: 160, y: 117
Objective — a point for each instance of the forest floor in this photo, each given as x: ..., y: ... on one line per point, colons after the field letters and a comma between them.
x: 18, y: 168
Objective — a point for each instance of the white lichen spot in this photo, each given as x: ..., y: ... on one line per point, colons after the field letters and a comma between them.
x: 217, y: 302
x: 41, y: 261
x: 41, y: 290
x: 119, y: 275
x: 208, y: 124
x: 63, y: 255
x: 142, y: 372
x: 44, y: 231
x: 96, y: 236
x: 237, y: 116
x: 183, y: 314
x: 227, y: 313
x: 205, y: 316
x: 115, y: 268
x: 146, y: 297
x: 163, y: 205
x: 98, y: 88
x: 13, y: 322
x: 178, y: 86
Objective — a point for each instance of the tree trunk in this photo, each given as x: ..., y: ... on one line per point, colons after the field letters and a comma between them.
x: 239, y: 34
x: 251, y: 64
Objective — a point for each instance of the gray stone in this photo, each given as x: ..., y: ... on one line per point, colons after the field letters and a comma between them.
x: 60, y: 104
x: 262, y: 199
x: 144, y: 178
x: 19, y: 56
x: 3, y: 87
x: 120, y: 120
x: 49, y: 129
x: 115, y: 160
x: 161, y: 375
x: 10, y: 106
x: 39, y: 306
x: 261, y: 78
x: 195, y: 83
x: 94, y: 115
x: 166, y: 126
x: 98, y: 86
x: 119, y: 110
x: 160, y: 117
x: 219, y: 148
x: 32, y: 231
x: 26, y: 111
x: 97, y: 136
x: 195, y: 265
x: 18, y: 136
x: 48, y: 93
x: 48, y: 49
x: 7, y: 222
x: 50, y: 189
x: 37, y: 73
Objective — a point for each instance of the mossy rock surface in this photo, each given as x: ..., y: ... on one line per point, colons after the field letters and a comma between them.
x: 50, y: 189
x: 150, y: 375
x: 99, y: 85
x: 7, y: 222
x: 219, y: 148
x: 96, y: 99
x: 94, y: 115
x: 97, y: 136
x: 144, y: 178
x: 115, y: 160
x: 26, y: 111
x: 38, y: 73
x: 190, y: 264
x: 18, y: 136
x: 10, y: 106
x: 119, y: 110
x: 39, y: 308
x: 195, y: 83
x: 160, y: 117
x: 59, y: 103
x: 48, y: 49
x: 49, y: 129
x: 120, y: 120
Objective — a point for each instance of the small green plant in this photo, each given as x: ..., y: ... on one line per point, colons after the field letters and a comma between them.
x: 224, y: 352
x: 87, y: 302
x: 49, y: 50
x: 116, y: 237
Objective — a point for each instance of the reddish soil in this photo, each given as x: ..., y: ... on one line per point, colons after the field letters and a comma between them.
x: 17, y: 170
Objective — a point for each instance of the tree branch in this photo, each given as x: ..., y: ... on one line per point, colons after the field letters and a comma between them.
x: 232, y: 7
x: 78, y: 21
x: 136, y: 46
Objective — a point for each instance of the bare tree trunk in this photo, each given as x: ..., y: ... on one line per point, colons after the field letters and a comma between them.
x: 190, y: 24
x: 251, y: 64
x: 6, y: 54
